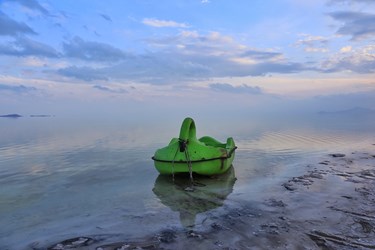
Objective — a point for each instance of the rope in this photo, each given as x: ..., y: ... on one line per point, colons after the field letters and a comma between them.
x: 189, y: 165
x: 174, y: 158
x: 183, y: 147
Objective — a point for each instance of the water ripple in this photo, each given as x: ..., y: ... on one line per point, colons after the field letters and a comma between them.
x: 298, y: 142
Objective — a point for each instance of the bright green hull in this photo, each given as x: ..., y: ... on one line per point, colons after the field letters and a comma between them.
x: 211, y: 167
x: 205, y: 156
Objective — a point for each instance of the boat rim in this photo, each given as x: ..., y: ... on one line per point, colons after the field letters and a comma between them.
x: 201, y: 160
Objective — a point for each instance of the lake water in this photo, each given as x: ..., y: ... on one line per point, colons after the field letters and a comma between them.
x: 67, y: 177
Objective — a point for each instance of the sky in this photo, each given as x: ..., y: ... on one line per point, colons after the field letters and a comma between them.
x: 189, y: 54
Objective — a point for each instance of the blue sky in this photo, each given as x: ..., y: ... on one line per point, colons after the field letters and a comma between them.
x: 249, y: 53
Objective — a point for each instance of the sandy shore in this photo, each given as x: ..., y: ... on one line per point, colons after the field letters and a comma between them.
x: 331, y: 206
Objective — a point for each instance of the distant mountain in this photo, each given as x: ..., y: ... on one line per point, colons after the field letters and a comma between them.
x: 11, y: 116
x: 357, y: 111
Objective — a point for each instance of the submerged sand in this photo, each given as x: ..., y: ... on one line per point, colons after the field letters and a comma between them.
x: 330, y: 206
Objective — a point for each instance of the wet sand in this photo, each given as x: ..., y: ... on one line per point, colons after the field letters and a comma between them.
x: 330, y: 206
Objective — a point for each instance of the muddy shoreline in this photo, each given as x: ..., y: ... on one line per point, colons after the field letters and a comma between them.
x: 330, y: 206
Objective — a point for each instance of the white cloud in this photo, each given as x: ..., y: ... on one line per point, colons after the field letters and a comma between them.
x: 313, y: 43
x: 361, y: 60
x: 242, y: 89
x: 321, y: 50
x: 163, y: 23
x: 190, y: 56
x: 346, y: 49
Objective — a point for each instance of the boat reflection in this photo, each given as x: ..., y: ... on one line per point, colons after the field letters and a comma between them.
x: 208, y: 193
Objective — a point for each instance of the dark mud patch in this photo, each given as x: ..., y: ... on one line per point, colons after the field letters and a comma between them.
x: 78, y: 242
x: 304, y: 180
x: 337, y: 155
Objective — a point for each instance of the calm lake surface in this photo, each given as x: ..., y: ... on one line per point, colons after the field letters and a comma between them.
x: 68, y: 177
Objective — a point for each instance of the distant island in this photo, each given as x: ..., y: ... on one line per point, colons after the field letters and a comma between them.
x: 40, y: 115
x: 17, y: 116
x: 11, y: 116
x: 357, y: 111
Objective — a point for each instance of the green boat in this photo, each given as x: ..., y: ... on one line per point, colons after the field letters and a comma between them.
x: 187, y: 154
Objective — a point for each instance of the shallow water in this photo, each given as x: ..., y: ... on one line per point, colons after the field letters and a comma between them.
x: 64, y: 178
